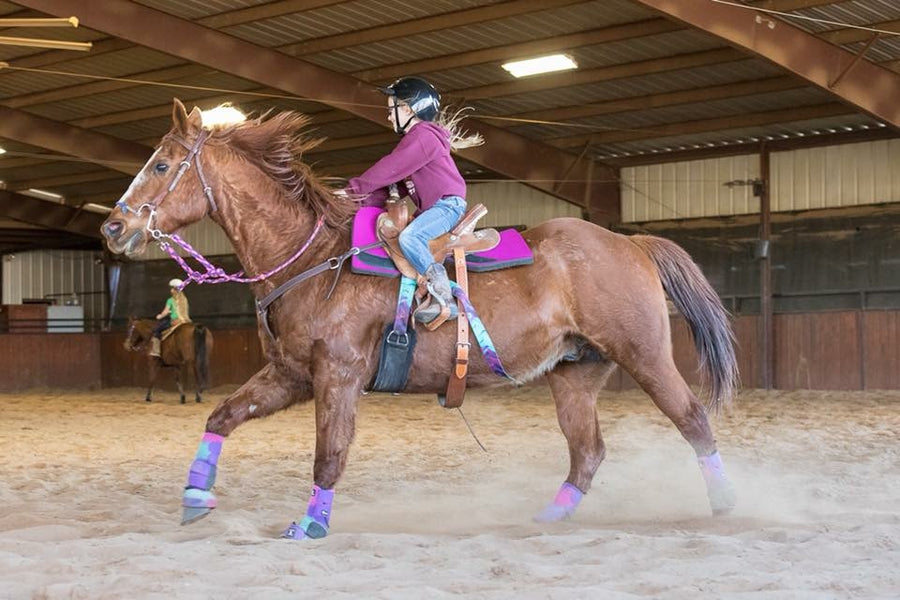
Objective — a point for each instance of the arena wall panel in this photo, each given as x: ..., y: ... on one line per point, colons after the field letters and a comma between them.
x: 58, y: 360
x: 838, y: 350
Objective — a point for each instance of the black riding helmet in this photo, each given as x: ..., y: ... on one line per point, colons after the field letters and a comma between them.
x: 421, y: 97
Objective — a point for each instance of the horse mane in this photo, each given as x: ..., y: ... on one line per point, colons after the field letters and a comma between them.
x: 275, y: 143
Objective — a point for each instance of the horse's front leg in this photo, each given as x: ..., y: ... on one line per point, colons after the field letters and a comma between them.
x: 180, y: 378
x: 337, y: 387
x: 152, y: 368
x: 268, y: 391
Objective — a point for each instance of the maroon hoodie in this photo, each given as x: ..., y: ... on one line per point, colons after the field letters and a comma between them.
x: 423, y: 156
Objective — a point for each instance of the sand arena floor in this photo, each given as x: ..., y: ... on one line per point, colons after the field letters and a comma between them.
x: 91, y: 486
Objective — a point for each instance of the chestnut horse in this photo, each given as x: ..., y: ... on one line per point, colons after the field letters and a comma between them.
x: 187, y: 349
x: 592, y: 299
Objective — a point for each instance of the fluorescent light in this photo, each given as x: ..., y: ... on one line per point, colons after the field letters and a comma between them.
x: 42, y: 194
x: 39, y: 43
x: 98, y: 208
x: 224, y: 114
x: 541, y: 64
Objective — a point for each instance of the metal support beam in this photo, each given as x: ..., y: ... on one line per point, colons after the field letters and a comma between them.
x: 117, y: 154
x: 539, y: 165
x: 766, y: 312
x: 871, y: 88
x: 50, y: 215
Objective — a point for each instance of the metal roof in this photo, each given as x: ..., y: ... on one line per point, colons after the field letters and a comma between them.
x: 648, y: 86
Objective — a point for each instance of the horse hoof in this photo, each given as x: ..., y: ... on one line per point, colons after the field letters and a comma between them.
x: 191, y: 514
x: 553, y: 513
x: 306, y: 528
x: 722, y: 499
x: 182, y: 399
x: 147, y: 400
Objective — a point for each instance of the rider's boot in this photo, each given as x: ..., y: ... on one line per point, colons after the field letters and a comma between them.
x: 439, y: 286
x: 155, y: 346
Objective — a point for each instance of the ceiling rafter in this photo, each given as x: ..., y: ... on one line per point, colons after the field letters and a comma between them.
x: 540, y: 165
x: 50, y: 215
x: 865, y: 85
x: 119, y: 155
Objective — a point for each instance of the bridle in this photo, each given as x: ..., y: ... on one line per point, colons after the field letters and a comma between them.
x: 193, y: 157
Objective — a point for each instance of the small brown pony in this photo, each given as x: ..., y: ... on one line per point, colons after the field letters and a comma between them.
x: 186, y: 349
x: 592, y: 299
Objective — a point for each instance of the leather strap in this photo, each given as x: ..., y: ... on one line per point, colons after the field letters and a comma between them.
x: 456, y: 387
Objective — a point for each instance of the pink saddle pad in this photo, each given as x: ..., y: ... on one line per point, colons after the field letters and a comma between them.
x: 512, y: 251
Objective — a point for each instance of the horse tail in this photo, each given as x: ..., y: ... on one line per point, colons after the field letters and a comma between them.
x: 709, y: 322
x: 201, y: 356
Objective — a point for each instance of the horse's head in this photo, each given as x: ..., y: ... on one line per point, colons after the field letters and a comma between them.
x: 168, y: 193
x: 137, y: 334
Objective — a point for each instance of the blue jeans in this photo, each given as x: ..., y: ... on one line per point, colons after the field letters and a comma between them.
x: 437, y: 220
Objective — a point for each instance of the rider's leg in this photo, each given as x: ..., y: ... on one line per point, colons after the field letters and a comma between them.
x: 155, y: 339
x: 435, y: 221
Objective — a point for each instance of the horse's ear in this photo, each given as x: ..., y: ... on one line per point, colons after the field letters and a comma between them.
x: 185, y: 123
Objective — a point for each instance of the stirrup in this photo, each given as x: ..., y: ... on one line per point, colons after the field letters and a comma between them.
x: 432, y: 311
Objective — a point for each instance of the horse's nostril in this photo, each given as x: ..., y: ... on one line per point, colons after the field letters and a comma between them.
x: 113, y: 229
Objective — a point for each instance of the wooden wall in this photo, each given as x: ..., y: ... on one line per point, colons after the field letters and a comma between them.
x: 841, y: 350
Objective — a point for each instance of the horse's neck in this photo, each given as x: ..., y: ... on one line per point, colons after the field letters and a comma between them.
x: 266, y: 229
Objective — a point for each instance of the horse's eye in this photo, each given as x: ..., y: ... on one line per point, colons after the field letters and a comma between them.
x: 161, y: 167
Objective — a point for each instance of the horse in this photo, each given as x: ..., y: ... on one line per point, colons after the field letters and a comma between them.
x: 186, y: 349
x: 591, y: 300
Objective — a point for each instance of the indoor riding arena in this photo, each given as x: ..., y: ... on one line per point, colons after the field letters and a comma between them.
x: 762, y: 138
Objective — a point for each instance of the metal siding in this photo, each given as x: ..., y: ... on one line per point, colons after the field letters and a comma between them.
x: 516, y: 204
x: 205, y: 237
x: 692, y: 189
x: 39, y: 274
x: 835, y: 176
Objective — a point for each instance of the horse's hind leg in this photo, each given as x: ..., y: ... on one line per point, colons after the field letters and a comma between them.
x: 659, y: 377
x: 268, y: 391
x: 180, y: 378
x: 575, y: 387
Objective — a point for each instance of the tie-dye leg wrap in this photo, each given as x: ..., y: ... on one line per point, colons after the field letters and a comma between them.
x: 720, y: 491
x: 318, y: 514
x: 202, y: 476
x: 488, y: 351
x: 563, y: 505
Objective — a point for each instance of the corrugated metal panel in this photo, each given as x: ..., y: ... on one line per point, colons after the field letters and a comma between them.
x: 516, y: 204
x: 689, y: 189
x: 56, y: 273
x: 205, y: 237
x: 833, y: 176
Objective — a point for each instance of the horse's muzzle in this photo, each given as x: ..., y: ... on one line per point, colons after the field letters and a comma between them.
x: 120, y: 241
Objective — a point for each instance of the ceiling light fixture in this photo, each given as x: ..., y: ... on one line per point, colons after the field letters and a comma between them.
x: 98, y: 208
x: 539, y: 65
x: 2, y: 150
x: 42, y: 194
x: 41, y: 43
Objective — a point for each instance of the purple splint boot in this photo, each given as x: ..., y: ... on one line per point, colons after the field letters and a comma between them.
x: 318, y: 514
x: 719, y: 490
x: 198, y: 499
x: 563, y: 505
